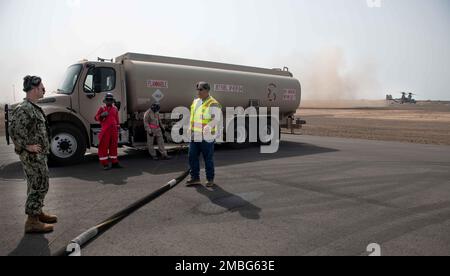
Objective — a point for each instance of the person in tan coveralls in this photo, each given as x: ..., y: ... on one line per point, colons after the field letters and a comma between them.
x: 152, y: 124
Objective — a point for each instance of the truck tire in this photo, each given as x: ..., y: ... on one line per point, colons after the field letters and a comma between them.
x: 67, y: 145
x: 269, y: 131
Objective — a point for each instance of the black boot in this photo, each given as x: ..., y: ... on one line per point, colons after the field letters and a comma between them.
x: 166, y: 157
x: 117, y: 166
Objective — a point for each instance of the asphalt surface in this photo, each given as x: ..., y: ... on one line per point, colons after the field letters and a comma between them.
x: 316, y: 196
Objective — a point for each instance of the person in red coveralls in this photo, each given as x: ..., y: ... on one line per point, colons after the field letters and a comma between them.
x: 108, y: 116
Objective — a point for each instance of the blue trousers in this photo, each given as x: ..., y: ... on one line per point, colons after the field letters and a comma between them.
x: 207, y: 150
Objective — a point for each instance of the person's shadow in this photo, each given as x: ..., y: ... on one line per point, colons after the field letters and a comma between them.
x: 32, y: 245
x: 230, y: 202
x: 137, y: 163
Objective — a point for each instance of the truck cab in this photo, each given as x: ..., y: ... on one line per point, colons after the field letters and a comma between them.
x: 71, y: 111
x: 85, y: 85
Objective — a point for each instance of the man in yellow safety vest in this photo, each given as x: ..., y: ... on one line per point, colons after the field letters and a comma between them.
x: 203, y: 131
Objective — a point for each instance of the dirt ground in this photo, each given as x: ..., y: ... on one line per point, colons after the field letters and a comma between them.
x: 425, y: 123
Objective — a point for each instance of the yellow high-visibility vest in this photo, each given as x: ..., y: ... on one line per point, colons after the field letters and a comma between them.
x: 201, y: 115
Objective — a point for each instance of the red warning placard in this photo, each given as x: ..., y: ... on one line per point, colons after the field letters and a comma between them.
x: 161, y: 84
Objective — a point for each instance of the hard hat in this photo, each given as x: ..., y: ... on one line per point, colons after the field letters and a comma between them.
x: 156, y: 107
x: 109, y: 98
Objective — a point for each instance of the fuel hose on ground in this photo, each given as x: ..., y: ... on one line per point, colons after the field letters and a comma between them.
x: 101, y: 228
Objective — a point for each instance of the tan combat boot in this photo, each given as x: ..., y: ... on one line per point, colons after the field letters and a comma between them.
x: 34, y: 226
x: 47, y: 218
x: 210, y: 184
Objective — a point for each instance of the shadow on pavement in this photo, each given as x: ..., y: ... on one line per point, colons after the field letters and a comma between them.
x: 137, y: 162
x: 227, y: 202
x: 32, y: 245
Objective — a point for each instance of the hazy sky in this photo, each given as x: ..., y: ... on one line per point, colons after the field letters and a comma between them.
x: 337, y: 48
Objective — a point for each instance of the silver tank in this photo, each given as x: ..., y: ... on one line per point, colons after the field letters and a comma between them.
x: 172, y: 82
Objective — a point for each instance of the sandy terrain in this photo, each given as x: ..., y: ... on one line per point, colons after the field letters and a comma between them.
x: 426, y: 122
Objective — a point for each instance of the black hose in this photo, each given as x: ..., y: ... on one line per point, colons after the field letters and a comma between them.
x: 102, y: 227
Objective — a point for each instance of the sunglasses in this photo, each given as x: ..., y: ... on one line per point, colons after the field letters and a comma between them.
x: 200, y: 89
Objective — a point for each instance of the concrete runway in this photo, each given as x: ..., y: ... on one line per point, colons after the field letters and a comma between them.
x: 316, y: 196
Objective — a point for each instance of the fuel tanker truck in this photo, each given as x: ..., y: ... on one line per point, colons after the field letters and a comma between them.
x: 137, y: 81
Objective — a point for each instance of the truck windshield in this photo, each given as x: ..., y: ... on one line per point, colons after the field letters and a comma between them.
x: 70, y: 79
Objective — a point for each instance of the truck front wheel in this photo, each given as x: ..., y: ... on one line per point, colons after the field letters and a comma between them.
x: 68, y: 145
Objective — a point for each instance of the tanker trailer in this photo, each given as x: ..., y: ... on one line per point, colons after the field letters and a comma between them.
x: 138, y: 80
x: 172, y: 81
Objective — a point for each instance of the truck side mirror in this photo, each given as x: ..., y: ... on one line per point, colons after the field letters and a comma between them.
x: 88, y: 91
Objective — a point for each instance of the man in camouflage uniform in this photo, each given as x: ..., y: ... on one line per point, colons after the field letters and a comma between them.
x: 152, y: 124
x: 30, y: 133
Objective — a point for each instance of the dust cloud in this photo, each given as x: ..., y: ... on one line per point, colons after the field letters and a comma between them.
x: 329, y: 82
